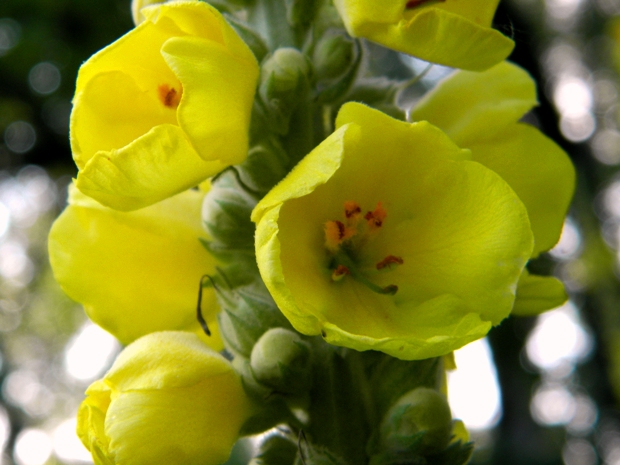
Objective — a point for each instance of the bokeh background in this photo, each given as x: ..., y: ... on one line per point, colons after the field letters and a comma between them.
x: 540, y: 390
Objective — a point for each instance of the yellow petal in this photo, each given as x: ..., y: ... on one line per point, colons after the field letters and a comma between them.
x: 217, y: 96
x: 462, y: 232
x: 537, y: 294
x: 137, y: 272
x: 171, y: 399
x: 153, y: 167
x: 164, y: 107
x: 456, y: 34
x: 470, y: 107
x: 539, y: 171
x: 98, y: 125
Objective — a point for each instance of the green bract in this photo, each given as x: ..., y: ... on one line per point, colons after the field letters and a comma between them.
x: 449, y: 233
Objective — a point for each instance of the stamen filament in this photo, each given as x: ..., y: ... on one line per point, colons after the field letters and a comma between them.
x: 342, y: 259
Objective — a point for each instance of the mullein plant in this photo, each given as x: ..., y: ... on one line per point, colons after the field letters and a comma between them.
x: 240, y: 155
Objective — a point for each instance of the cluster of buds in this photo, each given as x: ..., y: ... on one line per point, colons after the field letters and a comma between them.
x: 241, y: 154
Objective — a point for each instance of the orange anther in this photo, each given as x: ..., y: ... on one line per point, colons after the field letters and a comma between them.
x: 375, y: 218
x: 169, y: 95
x: 389, y: 261
x: 340, y: 272
x: 336, y: 233
x: 352, y: 209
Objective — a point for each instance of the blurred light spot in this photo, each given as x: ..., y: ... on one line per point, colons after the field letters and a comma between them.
x: 10, y: 31
x: 577, y: 128
x: 37, y: 187
x: 44, y: 78
x: 473, y: 390
x: 585, y: 416
x: 562, y: 9
x: 67, y: 445
x: 5, y: 219
x: 5, y: 428
x: 579, y: 452
x: 20, y: 136
x: 90, y: 352
x: 573, y: 99
x: 15, y: 263
x: 611, y: 199
x: 21, y: 387
x: 606, y: 146
x: 609, y: 7
x: 569, y: 244
x: 552, y: 405
x: 558, y: 338
x: 32, y: 447
x: 563, y: 59
x: 605, y: 91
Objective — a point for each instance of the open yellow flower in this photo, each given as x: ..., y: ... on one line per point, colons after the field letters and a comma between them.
x: 135, y: 272
x: 388, y: 237
x: 449, y: 32
x: 162, y: 108
x: 168, y: 399
x: 485, y: 119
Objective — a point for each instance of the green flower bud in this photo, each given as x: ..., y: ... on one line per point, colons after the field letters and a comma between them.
x: 281, y: 359
x: 422, y: 410
x: 333, y: 55
x: 264, y: 167
x: 282, y: 71
x: 226, y: 215
x: 284, y: 83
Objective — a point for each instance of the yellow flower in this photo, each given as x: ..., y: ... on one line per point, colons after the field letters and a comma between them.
x: 168, y: 399
x: 135, y: 272
x: 449, y: 32
x: 388, y: 237
x: 162, y: 108
x: 485, y: 119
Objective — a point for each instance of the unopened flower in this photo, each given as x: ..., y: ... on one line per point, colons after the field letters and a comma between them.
x: 162, y: 108
x: 135, y: 272
x: 485, y: 119
x: 388, y: 237
x: 449, y: 32
x: 168, y: 399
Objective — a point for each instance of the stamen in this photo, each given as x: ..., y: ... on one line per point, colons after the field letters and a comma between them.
x: 340, y: 272
x: 342, y: 258
x: 336, y: 233
x: 352, y: 209
x: 169, y: 95
x: 389, y: 261
x: 375, y: 218
x: 415, y: 3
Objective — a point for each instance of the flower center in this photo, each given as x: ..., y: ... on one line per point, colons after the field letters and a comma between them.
x: 343, y: 239
x: 416, y: 3
x: 169, y: 96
